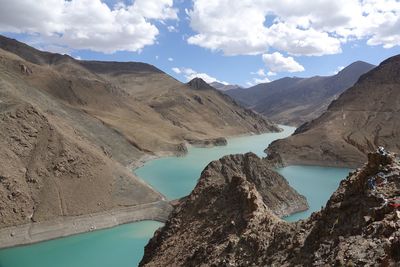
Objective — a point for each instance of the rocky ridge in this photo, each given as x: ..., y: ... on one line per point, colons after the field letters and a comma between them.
x: 228, y: 223
x: 364, y: 117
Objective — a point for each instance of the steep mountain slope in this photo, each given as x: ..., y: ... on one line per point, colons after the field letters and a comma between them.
x: 297, y: 100
x: 362, y: 118
x: 229, y: 223
x: 49, y: 170
x: 68, y: 128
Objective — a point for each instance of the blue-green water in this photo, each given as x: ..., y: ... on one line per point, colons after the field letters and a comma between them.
x: 315, y: 183
x: 119, y: 246
x: 122, y: 246
x: 176, y: 177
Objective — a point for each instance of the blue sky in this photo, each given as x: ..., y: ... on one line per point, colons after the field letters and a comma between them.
x: 229, y: 50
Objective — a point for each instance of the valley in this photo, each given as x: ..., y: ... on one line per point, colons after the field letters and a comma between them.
x: 175, y: 177
x: 293, y: 100
x: 100, y: 157
x: 70, y: 128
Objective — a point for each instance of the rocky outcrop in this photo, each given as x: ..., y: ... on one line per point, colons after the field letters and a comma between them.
x: 361, y: 119
x: 230, y: 224
x: 199, y: 84
x: 231, y: 195
x: 220, y: 141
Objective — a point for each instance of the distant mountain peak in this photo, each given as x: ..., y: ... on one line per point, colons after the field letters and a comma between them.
x: 294, y: 100
x: 357, y: 66
x: 225, y: 87
x: 199, y: 84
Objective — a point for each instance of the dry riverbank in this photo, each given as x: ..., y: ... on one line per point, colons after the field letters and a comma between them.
x: 66, y: 226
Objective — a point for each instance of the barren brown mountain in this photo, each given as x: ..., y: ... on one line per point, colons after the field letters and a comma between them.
x: 294, y: 101
x: 229, y: 222
x: 69, y: 128
x: 364, y: 117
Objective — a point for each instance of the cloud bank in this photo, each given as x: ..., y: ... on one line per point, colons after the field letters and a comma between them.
x: 295, y: 27
x: 87, y: 24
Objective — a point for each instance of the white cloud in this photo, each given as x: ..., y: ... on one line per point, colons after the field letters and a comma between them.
x: 176, y: 70
x: 170, y: 59
x: 263, y: 80
x: 271, y: 73
x: 191, y: 74
x: 259, y: 72
x: 302, y: 42
x: 258, y: 81
x: 276, y: 62
x: 249, y: 83
x: 338, y: 69
x: 171, y: 28
x: 87, y: 24
x: 156, y: 9
x: 302, y: 27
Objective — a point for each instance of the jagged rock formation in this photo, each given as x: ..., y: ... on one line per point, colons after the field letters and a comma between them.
x: 69, y: 127
x: 229, y: 224
x: 364, y: 117
x: 294, y: 101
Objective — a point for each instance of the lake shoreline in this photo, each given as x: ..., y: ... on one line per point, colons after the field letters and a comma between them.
x: 66, y: 226
x: 31, y: 233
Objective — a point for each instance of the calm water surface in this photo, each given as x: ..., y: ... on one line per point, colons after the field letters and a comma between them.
x: 315, y: 183
x: 122, y: 246
x: 119, y: 246
x: 176, y: 177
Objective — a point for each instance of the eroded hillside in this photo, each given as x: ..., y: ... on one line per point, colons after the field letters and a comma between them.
x: 69, y: 128
x: 364, y: 117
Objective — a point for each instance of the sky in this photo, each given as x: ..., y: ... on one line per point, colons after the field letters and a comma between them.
x: 230, y: 41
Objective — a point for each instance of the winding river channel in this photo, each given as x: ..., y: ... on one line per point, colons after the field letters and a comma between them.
x: 175, y: 177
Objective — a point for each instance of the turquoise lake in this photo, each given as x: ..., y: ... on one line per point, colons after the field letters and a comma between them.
x: 175, y: 177
x: 119, y: 246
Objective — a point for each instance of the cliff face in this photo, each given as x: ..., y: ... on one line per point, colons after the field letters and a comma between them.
x: 361, y: 119
x: 230, y: 224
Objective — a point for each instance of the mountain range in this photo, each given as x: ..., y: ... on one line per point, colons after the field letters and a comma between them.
x: 294, y: 101
x: 362, y: 118
x: 69, y: 128
x: 225, y: 87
